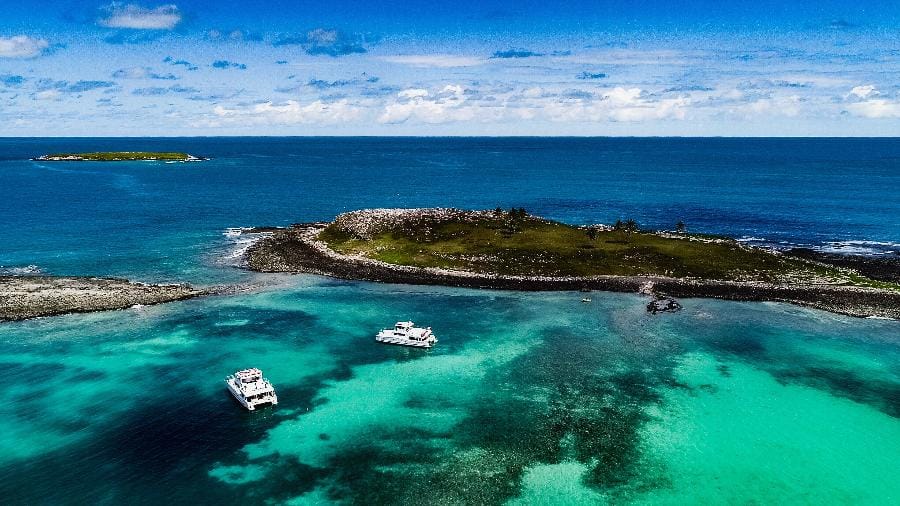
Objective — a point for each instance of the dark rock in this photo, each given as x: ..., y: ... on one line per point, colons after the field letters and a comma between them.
x: 663, y: 305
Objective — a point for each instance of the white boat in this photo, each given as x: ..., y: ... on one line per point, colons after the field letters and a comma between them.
x: 251, y: 389
x: 407, y: 334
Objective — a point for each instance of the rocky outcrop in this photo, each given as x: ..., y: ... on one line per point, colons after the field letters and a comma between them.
x: 880, y: 267
x: 367, y: 223
x: 23, y: 297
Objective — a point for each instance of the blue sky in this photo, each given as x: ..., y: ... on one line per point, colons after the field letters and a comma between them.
x: 278, y: 67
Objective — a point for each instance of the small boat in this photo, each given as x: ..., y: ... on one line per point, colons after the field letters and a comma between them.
x: 407, y: 334
x: 250, y: 388
x: 585, y: 299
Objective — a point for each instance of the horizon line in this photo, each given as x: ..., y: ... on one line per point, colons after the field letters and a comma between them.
x: 5, y: 137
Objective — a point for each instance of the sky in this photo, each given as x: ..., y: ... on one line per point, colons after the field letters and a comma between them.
x: 277, y: 67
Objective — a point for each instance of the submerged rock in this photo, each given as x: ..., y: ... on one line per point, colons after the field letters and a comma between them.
x: 663, y: 305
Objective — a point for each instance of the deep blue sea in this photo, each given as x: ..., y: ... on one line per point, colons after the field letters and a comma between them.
x: 529, y: 398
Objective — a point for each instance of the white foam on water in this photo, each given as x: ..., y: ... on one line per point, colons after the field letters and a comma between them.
x: 240, y: 240
x: 20, y: 271
x: 849, y: 247
x: 859, y: 247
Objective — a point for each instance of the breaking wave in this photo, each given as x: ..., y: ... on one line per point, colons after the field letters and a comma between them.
x: 20, y: 271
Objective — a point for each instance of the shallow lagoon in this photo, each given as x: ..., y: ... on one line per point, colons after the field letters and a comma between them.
x: 530, y: 398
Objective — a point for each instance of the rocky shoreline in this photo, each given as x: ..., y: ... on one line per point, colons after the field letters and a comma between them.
x: 882, y: 267
x: 25, y: 297
x: 297, y: 250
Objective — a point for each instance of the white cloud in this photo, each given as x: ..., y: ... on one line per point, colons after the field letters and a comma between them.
x: 132, y: 73
x: 22, y: 46
x: 447, y: 105
x: 867, y: 102
x: 322, y: 36
x: 47, y: 95
x: 877, y: 108
x: 863, y: 91
x: 164, y: 17
x: 291, y: 112
x: 788, y: 106
x: 435, y: 60
x: 413, y: 93
x: 624, y: 96
x: 618, y: 104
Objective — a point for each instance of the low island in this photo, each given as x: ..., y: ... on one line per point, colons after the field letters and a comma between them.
x: 24, y: 297
x: 119, y: 156
x: 513, y: 250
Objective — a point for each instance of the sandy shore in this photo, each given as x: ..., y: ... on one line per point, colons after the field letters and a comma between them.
x: 297, y: 250
x: 23, y: 297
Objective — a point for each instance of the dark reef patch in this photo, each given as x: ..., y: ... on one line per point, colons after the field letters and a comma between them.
x: 31, y: 373
x: 172, y: 449
x: 880, y: 394
x: 745, y: 346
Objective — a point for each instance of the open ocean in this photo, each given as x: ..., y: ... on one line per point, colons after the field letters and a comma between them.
x: 529, y: 398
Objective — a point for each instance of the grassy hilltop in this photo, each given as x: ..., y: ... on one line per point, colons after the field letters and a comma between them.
x: 515, y: 243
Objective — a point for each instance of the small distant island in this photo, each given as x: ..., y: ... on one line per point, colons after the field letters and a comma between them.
x: 511, y: 249
x: 119, y: 156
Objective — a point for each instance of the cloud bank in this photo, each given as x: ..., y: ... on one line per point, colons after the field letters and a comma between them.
x: 289, y: 112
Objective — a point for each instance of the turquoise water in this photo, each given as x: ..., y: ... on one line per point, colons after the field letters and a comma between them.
x: 529, y: 398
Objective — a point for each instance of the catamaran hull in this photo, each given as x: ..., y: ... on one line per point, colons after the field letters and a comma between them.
x: 404, y: 342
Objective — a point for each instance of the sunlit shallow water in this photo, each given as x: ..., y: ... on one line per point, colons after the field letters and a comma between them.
x: 529, y: 398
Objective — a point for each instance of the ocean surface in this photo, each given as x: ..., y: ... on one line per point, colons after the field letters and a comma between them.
x: 529, y: 398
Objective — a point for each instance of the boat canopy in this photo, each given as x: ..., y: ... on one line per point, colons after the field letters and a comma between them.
x: 249, y: 375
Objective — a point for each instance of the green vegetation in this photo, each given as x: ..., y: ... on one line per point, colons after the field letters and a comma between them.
x: 110, y: 156
x: 515, y: 243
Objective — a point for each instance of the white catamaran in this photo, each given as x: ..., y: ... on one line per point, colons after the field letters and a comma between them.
x: 407, y: 334
x: 251, y: 389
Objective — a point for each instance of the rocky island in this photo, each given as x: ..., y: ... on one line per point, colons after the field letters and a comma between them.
x: 119, y: 156
x: 24, y: 297
x: 516, y: 251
